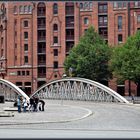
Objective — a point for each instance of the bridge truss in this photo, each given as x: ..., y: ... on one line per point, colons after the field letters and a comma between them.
x: 78, y: 89
x: 10, y: 91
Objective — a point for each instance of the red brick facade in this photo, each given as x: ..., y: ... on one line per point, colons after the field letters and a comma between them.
x: 35, y: 38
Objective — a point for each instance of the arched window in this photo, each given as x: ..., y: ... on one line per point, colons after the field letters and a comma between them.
x: 21, y: 9
x: 81, y: 6
x: 15, y: 10
x: 29, y: 9
x: 55, y: 27
x: 55, y: 9
x: 41, y: 9
x: 25, y: 9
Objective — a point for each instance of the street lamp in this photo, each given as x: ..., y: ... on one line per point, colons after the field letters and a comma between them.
x: 70, y: 71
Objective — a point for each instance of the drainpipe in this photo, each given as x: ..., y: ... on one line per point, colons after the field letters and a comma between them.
x: 32, y: 79
x: 129, y: 27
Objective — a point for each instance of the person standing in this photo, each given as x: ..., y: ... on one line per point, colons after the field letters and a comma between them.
x: 43, y: 104
x: 19, y: 104
x: 31, y: 106
x: 25, y: 105
x: 36, y: 103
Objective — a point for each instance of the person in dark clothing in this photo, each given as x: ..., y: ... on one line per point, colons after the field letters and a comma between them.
x: 43, y: 104
x: 31, y: 107
x: 36, y: 100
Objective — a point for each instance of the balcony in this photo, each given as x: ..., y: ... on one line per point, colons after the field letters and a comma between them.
x: 41, y: 26
x: 102, y: 24
x: 102, y: 11
x: 70, y: 37
x: 70, y: 25
x: 42, y: 39
x: 41, y: 75
x: 41, y: 51
x: 41, y: 63
x: 68, y: 49
x: 104, y: 36
x: 70, y: 11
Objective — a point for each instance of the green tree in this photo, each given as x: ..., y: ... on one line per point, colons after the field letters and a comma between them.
x: 125, y: 61
x: 89, y: 58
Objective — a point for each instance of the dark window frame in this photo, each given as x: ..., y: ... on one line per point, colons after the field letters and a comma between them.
x: 55, y: 8
x: 26, y: 23
x: 55, y: 64
x: 120, y: 22
x: 55, y: 40
x: 120, y: 38
x: 25, y: 35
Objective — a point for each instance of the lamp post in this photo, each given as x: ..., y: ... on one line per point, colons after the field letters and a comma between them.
x: 70, y: 71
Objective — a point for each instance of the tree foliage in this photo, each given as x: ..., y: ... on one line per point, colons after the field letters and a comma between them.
x: 125, y: 61
x: 89, y: 58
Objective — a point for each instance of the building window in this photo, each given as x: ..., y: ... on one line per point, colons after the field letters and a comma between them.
x: 119, y: 5
x: 115, y: 4
x: 85, y: 30
x: 119, y: 22
x: 55, y: 27
x: 18, y: 83
x: 81, y: 6
x: 25, y: 35
x: 55, y: 64
x: 120, y: 38
x: 136, y: 4
x: 25, y: 47
x: 41, y: 9
x: 25, y: 59
x: 102, y: 8
x: 86, y: 21
x: 27, y: 72
x: 55, y: 51
x: 138, y: 18
x: 21, y: 9
x: 55, y: 39
x: 26, y: 9
x: 18, y: 73
x: 26, y: 23
x: 15, y: 10
x: 23, y: 72
x: 55, y: 9
x: 30, y: 9
x: 103, y: 21
x: 86, y: 6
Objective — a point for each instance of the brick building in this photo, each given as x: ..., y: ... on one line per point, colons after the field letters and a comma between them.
x: 36, y: 37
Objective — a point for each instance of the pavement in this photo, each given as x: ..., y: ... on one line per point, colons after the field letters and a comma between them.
x: 53, y: 113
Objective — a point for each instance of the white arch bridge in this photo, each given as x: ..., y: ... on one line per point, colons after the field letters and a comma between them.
x: 66, y: 89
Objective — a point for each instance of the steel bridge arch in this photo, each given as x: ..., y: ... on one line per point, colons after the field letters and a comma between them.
x: 10, y: 90
x: 78, y: 89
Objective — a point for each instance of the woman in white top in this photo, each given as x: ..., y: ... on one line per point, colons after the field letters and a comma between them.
x: 25, y: 105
